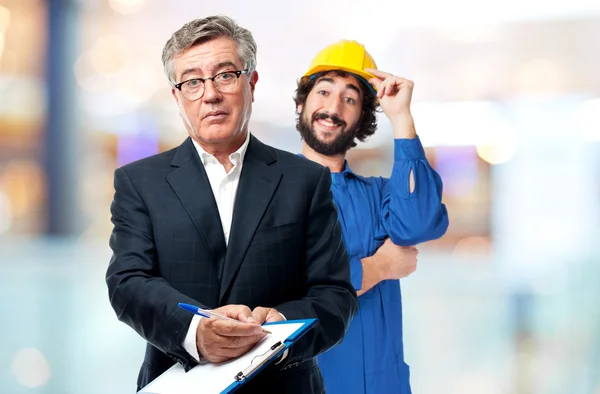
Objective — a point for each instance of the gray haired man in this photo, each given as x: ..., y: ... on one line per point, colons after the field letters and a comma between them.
x: 228, y: 223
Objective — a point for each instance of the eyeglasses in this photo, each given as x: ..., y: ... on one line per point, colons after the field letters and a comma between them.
x: 225, y: 82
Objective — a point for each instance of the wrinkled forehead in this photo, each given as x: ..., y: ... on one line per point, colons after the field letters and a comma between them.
x: 207, y: 58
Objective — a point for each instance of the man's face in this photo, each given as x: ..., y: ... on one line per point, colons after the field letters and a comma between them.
x: 331, y: 114
x: 216, y: 118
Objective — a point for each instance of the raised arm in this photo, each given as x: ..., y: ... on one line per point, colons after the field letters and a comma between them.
x: 412, y: 209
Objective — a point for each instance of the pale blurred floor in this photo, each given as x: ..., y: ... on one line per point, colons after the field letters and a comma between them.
x: 461, y: 331
x: 54, y: 299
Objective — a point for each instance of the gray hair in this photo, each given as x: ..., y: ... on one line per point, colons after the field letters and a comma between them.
x: 206, y: 29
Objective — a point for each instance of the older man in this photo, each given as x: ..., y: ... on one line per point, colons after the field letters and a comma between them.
x: 227, y: 223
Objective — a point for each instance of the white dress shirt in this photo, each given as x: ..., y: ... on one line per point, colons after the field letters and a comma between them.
x: 224, y: 186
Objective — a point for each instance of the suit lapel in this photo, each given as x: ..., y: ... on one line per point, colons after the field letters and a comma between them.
x: 258, y: 183
x: 192, y: 187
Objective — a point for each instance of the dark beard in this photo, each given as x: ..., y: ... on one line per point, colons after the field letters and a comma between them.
x: 339, y: 146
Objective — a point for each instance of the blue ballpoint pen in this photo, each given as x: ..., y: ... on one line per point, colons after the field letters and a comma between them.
x: 207, y: 313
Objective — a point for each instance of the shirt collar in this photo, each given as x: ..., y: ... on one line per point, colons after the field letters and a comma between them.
x: 345, y: 172
x: 236, y: 157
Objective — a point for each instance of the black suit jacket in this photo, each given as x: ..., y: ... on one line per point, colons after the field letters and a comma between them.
x: 285, y: 251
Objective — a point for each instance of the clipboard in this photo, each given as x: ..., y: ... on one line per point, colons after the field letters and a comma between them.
x: 273, y: 352
x: 229, y: 376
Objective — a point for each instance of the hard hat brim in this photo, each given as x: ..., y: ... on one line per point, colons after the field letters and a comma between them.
x: 364, y: 76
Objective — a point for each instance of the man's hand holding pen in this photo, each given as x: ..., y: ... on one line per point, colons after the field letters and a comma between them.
x: 220, y: 340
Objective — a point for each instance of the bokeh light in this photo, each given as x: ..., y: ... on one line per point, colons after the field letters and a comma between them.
x: 30, y: 367
x: 126, y: 7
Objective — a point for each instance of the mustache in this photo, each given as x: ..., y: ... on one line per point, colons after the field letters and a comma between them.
x: 322, y: 115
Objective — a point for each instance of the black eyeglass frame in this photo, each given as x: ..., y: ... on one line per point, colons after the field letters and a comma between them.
x: 237, y: 73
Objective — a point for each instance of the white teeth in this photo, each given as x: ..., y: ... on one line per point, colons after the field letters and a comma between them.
x: 327, y: 123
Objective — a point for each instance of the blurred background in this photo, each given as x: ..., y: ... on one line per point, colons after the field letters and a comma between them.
x: 506, y: 101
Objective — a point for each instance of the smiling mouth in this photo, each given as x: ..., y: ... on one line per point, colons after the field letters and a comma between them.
x: 328, y: 124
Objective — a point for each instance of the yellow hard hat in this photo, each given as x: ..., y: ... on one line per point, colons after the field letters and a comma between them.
x: 346, y: 55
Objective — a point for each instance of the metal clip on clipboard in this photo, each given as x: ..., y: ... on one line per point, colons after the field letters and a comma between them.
x: 262, y: 359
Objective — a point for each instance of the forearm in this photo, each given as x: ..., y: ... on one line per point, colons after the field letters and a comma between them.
x: 371, y: 276
x: 403, y: 126
x: 149, y: 306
